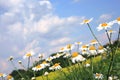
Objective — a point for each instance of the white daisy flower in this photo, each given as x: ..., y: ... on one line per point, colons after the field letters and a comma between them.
x: 37, y: 68
x: 2, y: 75
x: 104, y: 26
x: 9, y: 77
x: 46, y: 73
x: 98, y: 76
x: 56, y: 66
x: 28, y: 54
x: 86, y: 21
x: 76, y: 57
x: 92, y: 50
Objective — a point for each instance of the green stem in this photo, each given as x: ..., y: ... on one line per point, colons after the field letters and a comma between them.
x: 112, y: 57
x: 16, y: 69
x: 93, y: 34
x: 28, y: 62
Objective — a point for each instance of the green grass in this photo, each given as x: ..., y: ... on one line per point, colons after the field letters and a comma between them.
x: 78, y: 72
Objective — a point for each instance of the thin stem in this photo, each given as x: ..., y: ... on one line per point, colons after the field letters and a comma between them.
x: 28, y: 62
x: 112, y: 58
x: 93, y: 34
x: 16, y: 69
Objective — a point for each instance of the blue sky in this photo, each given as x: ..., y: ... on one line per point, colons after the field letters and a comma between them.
x: 44, y: 26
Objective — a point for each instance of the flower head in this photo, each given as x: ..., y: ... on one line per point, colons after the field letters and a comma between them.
x: 98, y: 76
x: 37, y: 68
x: 103, y: 26
x: 9, y: 77
x: 2, y: 75
x: 28, y: 54
x: 87, y: 21
x: 40, y: 56
x: 46, y: 73
x: 117, y: 20
x: 20, y: 62
x: 93, y: 42
x: 92, y: 50
x: 76, y: 57
x: 10, y: 58
x: 56, y: 66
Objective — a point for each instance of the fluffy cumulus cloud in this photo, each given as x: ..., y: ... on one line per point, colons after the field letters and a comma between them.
x: 31, y: 25
x: 105, y: 17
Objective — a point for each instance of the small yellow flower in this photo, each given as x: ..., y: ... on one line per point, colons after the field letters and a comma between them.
x: 98, y: 76
x: 2, y: 75
x: 94, y: 42
x: 87, y: 21
x: 92, y: 48
x: 75, y: 54
x: 104, y: 26
x: 69, y: 46
x: 9, y: 77
x: 56, y: 66
x: 100, y: 47
x: 28, y: 54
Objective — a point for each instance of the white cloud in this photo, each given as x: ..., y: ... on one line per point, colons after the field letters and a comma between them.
x: 105, y: 17
x: 60, y: 41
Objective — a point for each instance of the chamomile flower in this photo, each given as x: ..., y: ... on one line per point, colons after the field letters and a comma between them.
x: 2, y: 75
x: 85, y: 52
x: 104, y: 26
x: 28, y: 54
x: 78, y: 43
x: 46, y: 73
x: 9, y: 77
x: 98, y: 76
x: 84, y: 47
x: 49, y: 58
x: 86, y: 21
x: 20, y: 62
x: 40, y: 56
x: 101, y: 49
x: 33, y: 78
x: 56, y: 66
x: 93, y: 42
x: 37, y: 68
x: 45, y: 64
x: 87, y: 65
x: 67, y: 55
x: 69, y: 47
x: 110, y: 32
x: 76, y: 57
x: 92, y: 50
x: 117, y: 20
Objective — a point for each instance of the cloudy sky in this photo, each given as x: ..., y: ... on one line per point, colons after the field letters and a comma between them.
x: 46, y: 25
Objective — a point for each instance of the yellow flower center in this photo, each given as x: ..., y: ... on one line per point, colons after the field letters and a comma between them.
x: 93, y: 41
x: 91, y: 48
x: 62, y: 49
x: 69, y: 46
x: 98, y: 75
x: 100, y: 47
x: 86, y: 21
x: 44, y: 62
x: 1, y: 74
x: 84, y: 46
x: 75, y: 54
x: 28, y: 54
x: 110, y: 31
x: 118, y: 19
x: 38, y: 66
x: 104, y: 24
x: 56, y: 64
x: 9, y: 77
